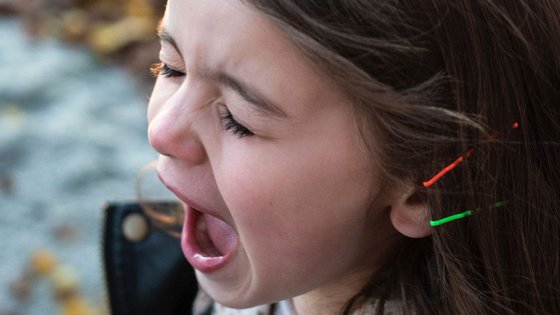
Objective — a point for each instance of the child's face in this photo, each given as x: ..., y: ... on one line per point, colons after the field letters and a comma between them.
x: 296, y: 195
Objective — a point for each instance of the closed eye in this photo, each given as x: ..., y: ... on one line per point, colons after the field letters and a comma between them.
x: 232, y: 125
x: 163, y: 69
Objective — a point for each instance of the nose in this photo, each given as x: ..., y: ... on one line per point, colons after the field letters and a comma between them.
x: 172, y: 134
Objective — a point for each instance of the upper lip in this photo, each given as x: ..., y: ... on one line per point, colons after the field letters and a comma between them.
x: 184, y: 197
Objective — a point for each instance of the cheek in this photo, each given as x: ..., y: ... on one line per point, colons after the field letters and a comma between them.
x: 299, y: 203
x: 280, y: 184
x: 297, y: 234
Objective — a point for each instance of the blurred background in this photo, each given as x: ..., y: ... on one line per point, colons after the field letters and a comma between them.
x: 74, y: 85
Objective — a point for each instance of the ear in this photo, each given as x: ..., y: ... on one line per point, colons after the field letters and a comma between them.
x: 410, y: 214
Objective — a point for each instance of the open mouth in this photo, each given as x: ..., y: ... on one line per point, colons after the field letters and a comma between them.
x: 214, y: 237
x: 207, y: 241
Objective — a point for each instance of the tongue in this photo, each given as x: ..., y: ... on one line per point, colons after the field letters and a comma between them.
x: 222, y: 235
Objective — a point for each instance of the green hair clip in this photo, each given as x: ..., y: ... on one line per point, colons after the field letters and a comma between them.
x: 461, y: 215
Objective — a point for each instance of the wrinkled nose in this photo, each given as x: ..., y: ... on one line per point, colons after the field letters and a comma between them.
x: 172, y: 134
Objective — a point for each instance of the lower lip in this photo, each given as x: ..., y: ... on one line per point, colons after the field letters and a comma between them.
x: 191, y: 249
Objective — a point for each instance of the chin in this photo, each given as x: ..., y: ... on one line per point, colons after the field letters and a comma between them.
x: 235, y: 296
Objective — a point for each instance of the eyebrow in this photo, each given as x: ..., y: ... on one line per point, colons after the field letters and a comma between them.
x: 260, y: 102
x: 251, y: 95
x: 164, y: 36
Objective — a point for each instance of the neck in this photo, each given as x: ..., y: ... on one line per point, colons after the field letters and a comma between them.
x: 331, y: 298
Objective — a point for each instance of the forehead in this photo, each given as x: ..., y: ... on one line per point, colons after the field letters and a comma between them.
x: 232, y: 36
x: 209, y: 21
x: 223, y: 33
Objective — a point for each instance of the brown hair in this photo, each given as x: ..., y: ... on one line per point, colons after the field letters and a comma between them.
x: 432, y: 79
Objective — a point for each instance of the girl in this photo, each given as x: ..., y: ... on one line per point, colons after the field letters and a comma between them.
x: 357, y: 157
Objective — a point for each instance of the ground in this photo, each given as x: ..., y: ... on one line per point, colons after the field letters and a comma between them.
x: 72, y: 137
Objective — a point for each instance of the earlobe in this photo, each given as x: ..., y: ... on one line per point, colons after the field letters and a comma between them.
x: 410, y: 215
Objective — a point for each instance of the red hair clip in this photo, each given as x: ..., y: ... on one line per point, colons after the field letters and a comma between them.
x: 455, y: 163
x: 448, y: 168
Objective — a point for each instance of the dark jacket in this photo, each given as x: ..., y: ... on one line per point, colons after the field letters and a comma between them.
x: 145, y: 270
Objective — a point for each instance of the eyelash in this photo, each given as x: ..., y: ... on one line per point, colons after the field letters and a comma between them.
x: 232, y: 125
x: 163, y: 69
